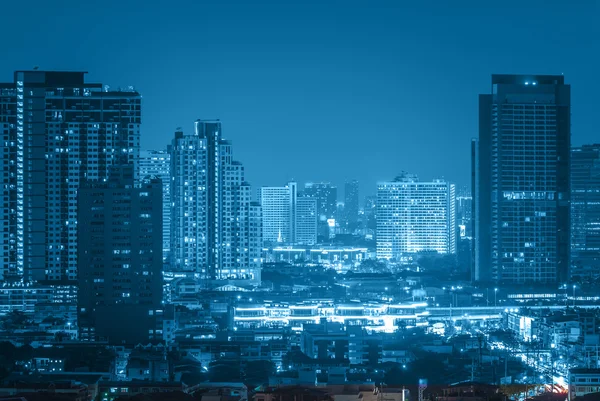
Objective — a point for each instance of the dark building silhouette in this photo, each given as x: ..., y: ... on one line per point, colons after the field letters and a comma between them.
x: 57, y: 131
x: 585, y: 211
x: 326, y: 195
x: 351, y: 203
x: 120, y: 258
x: 521, y: 183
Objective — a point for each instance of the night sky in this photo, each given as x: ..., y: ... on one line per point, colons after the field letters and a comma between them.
x: 317, y: 90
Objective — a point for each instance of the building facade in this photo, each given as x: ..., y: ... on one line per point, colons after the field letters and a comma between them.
x: 351, y: 202
x: 278, y: 211
x: 306, y: 221
x: 157, y: 163
x: 57, y: 131
x: 521, y: 182
x: 288, y: 216
x: 120, y: 258
x: 415, y: 216
x: 213, y: 221
x: 585, y: 211
x: 326, y: 195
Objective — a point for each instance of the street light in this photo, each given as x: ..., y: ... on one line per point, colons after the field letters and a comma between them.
x: 574, y: 286
x: 495, y: 293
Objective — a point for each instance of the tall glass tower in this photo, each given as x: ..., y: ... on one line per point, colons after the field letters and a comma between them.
x: 521, y: 182
x: 585, y: 211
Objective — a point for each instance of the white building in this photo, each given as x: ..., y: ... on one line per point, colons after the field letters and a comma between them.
x: 415, y: 216
x: 158, y: 163
x: 286, y: 217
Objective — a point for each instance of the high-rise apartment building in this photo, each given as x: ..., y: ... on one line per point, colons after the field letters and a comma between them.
x: 120, y: 258
x: 57, y: 130
x: 278, y: 211
x: 326, y: 196
x: 306, y: 221
x: 157, y: 163
x: 521, y: 181
x: 351, y: 202
x: 287, y: 216
x: 212, y: 217
x: 415, y: 216
x: 585, y: 211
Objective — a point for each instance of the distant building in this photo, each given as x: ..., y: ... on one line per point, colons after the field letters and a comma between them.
x: 351, y: 206
x: 212, y: 214
x: 287, y: 216
x: 278, y: 211
x: 306, y: 221
x: 57, y: 131
x: 157, y: 163
x: 521, y: 180
x: 415, y: 216
x: 120, y: 258
x: 585, y: 211
x: 464, y: 215
x: 326, y: 196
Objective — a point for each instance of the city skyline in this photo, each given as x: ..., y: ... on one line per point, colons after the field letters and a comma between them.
x: 380, y: 77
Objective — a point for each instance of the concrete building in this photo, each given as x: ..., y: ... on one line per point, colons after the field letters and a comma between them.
x: 157, y: 163
x: 213, y: 221
x: 521, y: 164
x: 326, y: 195
x: 415, y: 216
x: 287, y: 216
x: 58, y: 131
x: 120, y: 258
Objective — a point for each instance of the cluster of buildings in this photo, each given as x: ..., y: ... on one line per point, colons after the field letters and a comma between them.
x: 144, y: 253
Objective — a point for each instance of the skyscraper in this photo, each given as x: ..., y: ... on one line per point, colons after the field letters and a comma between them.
x: 157, y: 163
x: 521, y: 182
x: 585, y: 211
x: 351, y: 202
x: 212, y: 215
x: 58, y: 130
x: 306, y: 221
x: 326, y: 196
x: 415, y: 216
x: 120, y: 258
x: 287, y: 216
x: 278, y: 211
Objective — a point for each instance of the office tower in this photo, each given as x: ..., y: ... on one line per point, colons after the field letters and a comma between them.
x: 415, y: 216
x: 120, y: 258
x: 278, y: 211
x: 212, y: 217
x: 521, y: 182
x: 585, y: 211
x: 288, y: 217
x: 157, y: 163
x: 326, y: 196
x: 57, y: 131
x: 464, y: 209
x: 306, y: 221
x: 351, y: 202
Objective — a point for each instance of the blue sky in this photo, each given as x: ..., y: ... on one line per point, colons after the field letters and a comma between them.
x: 317, y: 90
